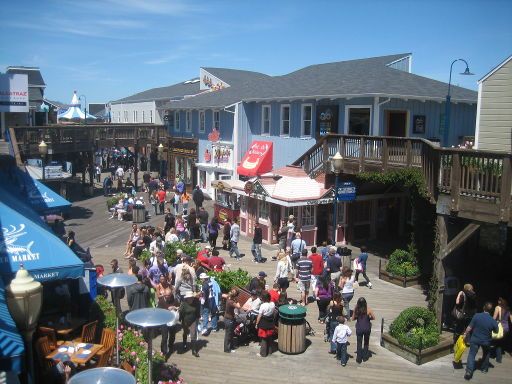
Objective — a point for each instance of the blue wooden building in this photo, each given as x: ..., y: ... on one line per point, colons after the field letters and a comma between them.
x: 375, y: 96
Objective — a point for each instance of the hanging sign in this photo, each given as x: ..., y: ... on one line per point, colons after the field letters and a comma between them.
x: 346, y: 191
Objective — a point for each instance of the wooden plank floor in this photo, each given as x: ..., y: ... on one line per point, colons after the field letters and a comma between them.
x: 107, y: 237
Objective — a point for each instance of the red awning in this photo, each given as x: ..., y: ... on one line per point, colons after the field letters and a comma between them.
x: 257, y: 159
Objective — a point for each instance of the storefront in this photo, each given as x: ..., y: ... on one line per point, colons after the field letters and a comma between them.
x: 226, y: 204
x: 182, y: 156
x: 215, y: 162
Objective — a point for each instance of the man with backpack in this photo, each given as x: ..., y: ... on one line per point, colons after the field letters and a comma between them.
x: 297, y: 245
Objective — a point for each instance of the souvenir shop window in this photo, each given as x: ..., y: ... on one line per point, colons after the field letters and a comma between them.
x: 264, y: 206
x: 216, y: 120
x: 202, y: 127
x: 202, y: 179
x: 308, y: 216
x: 243, y: 203
x: 188, y: 175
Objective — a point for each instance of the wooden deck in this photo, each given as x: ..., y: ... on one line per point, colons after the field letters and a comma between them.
x: 107, y: 237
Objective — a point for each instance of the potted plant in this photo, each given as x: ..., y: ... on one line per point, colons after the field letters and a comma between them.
x: 415, y: 336
x: 229, y: 279
x: 189, y: 248
x: 402, y: 267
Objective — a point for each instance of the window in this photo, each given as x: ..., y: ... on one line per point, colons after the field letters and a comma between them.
x: 143, y: 117
x: 188, y: 121
x: 265, y: 120
x: 285, y: 120
x: 243, y: 203
x: 134, y: 116
x: 150, y: 116
x: 202, y: 179
x: 177, y: 121
x: 216, y: 120
x: 202, y: 127
x: 263, y: 214
x: 119, y: 116
x: 308, y: 215
x: 307, y: 112
x: 125, y: 116
x: 341, y: 213
x: 291, y: 211
x: 358, y: 120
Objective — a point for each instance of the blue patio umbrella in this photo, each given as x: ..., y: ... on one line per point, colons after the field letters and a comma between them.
x: 27, y: 240
x: 41, y: 198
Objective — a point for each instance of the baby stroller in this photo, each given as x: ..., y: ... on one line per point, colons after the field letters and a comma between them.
x: 246, y: 328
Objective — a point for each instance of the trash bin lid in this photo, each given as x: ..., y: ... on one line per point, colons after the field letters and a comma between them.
x: 292, y: 312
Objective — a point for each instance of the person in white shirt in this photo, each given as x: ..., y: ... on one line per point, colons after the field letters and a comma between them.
x: 157, y: 245
x: 171, y: 237
x: 265, y: 324
x: 340, y: 337
x: 120, y: 172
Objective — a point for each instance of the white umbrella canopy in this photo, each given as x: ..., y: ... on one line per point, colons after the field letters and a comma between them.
x: 74, y: 112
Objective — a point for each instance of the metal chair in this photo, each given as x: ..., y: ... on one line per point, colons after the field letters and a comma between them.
x: 88, y: 333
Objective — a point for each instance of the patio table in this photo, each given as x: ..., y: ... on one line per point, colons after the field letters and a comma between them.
x: 63, y: 328
x: 82, y: 354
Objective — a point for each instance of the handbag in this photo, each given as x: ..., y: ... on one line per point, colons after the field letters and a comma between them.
x: 457, y: 313
x: 498, y: 335
x: 357, y: 265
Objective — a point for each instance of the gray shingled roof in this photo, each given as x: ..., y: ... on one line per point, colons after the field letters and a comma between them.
x: 362, y: 77
x: 175, y: 90
x: 235, y: 76
x: 34, y: 75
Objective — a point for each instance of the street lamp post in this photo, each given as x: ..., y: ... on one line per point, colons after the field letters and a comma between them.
x: 43, y: 151
x: 85, y: 106
x: 337, y: 166
x: 448, y: 100
x: 24, y: 299
x: 160, y: 157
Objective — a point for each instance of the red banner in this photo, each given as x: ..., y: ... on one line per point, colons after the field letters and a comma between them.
x: 257, y: 160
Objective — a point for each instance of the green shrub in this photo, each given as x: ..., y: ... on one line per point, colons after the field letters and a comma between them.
x: 402, y: 263
x: 230, y: 279
x: 111, y: 201
x: 190, y: 248
x: 105, y: 312
x: 415, y: 327
x: 145, y: 255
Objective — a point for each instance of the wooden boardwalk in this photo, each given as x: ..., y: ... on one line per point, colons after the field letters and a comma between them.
x: 107, y: 237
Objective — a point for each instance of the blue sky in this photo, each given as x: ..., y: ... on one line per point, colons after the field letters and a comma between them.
x: 108, y: 49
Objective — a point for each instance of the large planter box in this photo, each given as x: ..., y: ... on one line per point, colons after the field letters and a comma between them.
x: 416, y: 356
x: 407, y: 281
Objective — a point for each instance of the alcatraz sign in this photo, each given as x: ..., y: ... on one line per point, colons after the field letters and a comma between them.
x: 346, y: 191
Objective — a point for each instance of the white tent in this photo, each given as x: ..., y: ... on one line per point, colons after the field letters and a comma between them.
x: 74, y: 112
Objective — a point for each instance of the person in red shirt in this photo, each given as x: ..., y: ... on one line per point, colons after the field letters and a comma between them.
x: 274, y: 293
x: 203, y: 256
x: 216, y: 262
x: 161, y: 200
x: 318, y: 267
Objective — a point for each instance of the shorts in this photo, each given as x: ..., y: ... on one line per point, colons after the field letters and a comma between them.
x: 303, y: 285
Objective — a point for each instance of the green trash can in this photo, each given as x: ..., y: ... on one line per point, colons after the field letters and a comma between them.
x: 291, y: 333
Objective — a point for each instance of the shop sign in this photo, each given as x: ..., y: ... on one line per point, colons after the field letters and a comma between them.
x: 214, y: 135
x: 346, y: 191
x: 13, y: 93
x: 319, y: 201
x: 207, y: 156
x: 249, y: 187
x: 223, y: 214
x: 53, y: 172
x: 419, y: 122
x: 184, y: 151
x: 327, y: 119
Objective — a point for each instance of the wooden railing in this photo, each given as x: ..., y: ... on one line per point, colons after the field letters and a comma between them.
x: 76, y: 138
x: 460, y: 173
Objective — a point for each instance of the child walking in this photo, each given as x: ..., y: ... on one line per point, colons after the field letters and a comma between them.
x: 340, y: 337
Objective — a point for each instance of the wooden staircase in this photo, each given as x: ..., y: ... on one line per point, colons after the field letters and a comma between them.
x: 471, y: 184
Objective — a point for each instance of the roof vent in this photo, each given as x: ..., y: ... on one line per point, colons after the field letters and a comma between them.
x: 192, y: 81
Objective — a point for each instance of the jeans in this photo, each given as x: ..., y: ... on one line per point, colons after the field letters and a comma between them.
x: 203, y: 233
x: 256, y: 251
x: 205, y: 314
x: 362, y: 351
x: 499, y: 347
x: 234, y: 249
x: 473, y: 350
x: 229, y: 327
x: 364, y: 275
x: 162, y: 207
x: 212, y: 239
x: 168, y: 337
x: 346, y: 303
x: 332, y: 326
x: 341, y: 352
